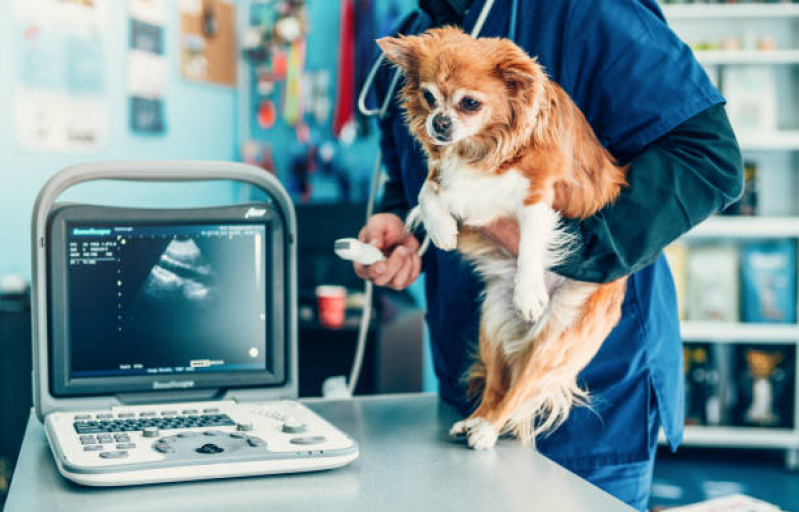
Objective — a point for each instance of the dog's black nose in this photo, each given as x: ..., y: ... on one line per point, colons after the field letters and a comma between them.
x: 442, y: 125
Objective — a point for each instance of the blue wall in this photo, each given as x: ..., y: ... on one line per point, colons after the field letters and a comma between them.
x: 322, y: 54
x: 200, y: 122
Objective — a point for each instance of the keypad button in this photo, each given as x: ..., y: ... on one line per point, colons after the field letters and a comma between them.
x: 104, y: 438
x: 147, y: 414
x: 213, y: 433
x: 255, y: 441
x: 83, y: 416
x: 209, y: 449
x: 188, y: 434
x: 190, y: 411
x: 121, y: 438
x: 88, y: 441
x: 126, y: 446
x: 118, y: 454
x: 234, y: 435
x: 92, y: 448
x: 105, y: 416
x: 164, y: 447
x: 169, y: 413
x: 126, y: 415
x: 294, y: 427
x: 212, y: 410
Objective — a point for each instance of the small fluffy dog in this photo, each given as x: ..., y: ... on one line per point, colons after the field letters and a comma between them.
x: 504, y: 141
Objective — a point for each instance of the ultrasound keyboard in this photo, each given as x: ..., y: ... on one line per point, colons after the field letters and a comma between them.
x: 130, y: 422
x: 131, y: 445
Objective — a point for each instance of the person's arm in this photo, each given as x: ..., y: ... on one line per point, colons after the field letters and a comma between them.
x: 674, y: 184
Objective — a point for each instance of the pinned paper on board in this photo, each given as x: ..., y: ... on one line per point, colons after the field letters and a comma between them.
x: 60, y: 101
x: 208, y: 41
x: 147, y: 66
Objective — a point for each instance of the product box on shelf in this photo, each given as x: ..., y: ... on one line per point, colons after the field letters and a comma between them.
x: 713, y: 283
x: 768, y: 282
x: 766, y: 382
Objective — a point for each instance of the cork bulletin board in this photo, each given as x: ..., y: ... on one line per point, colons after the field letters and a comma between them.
x: 208, y: 41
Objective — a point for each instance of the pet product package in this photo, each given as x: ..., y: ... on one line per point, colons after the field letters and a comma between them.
x: 766, y: 384
x: 768, y: 275
x: 747, y: 204
x: 677, y: 254
x: 710, y: 388
x: 713, y: 283
x: 751, y: 93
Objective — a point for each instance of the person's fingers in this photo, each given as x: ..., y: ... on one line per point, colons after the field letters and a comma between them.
x: 372, y: 234
x: 383, y: 230
x: 390, y: 266
x: 361, y: 271
x: 410, y: 242
x: 400, y: 279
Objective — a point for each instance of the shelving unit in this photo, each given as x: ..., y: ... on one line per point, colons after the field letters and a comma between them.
x: 780, y: 147
x: 676, y: 12
x: 716, y: 57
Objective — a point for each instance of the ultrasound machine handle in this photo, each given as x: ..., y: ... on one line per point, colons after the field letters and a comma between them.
x: 143, y: 171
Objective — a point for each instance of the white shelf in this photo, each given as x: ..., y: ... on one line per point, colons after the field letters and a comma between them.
x: 726, y: 11
x: 715, y: 57
x: 738, y: 437
x: 739, y: 332
x: 746, y: 227
x: 787, y: 140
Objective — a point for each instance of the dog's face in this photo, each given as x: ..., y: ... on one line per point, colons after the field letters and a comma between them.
x: 463, y: 89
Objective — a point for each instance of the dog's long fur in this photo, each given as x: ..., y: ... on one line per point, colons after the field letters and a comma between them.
x: 527, y: 153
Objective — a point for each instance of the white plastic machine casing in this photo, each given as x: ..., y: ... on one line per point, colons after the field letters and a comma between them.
x: 242, y: 404
x: 145, y: 465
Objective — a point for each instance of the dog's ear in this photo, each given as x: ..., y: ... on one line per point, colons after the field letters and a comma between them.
x: 519, y: 71
x: 402, y: 51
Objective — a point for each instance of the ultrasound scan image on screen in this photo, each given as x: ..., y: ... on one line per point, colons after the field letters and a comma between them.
x: 166, y: 299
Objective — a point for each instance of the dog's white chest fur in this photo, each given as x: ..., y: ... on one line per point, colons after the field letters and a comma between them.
x: 478, y: 197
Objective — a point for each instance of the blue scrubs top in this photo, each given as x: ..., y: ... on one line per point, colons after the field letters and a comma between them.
x: 635, y: 81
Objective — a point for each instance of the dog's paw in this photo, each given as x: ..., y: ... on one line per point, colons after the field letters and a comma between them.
x: 530, y: 299
x: 462, y: 427
x: 480, y: 435
x: 443, y: 232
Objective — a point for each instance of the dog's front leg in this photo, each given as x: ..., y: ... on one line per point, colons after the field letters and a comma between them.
x: 437, y: 218
x: 537, y: 222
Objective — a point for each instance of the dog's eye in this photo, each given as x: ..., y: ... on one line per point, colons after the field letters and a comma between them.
x: 429, y: 98
x: 470, y: 104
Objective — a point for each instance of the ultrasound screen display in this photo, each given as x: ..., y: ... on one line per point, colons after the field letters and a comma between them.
x: 166, y: 299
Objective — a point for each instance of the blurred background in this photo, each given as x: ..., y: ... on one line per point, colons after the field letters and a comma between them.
x: 274, y: 83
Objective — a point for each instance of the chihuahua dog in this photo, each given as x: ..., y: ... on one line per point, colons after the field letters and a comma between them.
x: 504, y: 141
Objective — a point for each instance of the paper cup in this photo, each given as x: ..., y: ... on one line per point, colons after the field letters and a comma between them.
x: 332, y: 304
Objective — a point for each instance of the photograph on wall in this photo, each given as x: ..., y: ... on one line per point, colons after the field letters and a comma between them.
x: 147, y: 66
x: 208, y: 41
x: 60, y: 101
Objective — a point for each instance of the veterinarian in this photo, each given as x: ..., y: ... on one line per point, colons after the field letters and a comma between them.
x: 651, y: 104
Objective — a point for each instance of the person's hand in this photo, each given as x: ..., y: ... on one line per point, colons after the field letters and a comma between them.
x: 386, y: 231
x: 505, y: 232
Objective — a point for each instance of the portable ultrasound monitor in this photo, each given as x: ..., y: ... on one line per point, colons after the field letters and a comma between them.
x: 165, y: 339
x: 154, y: 300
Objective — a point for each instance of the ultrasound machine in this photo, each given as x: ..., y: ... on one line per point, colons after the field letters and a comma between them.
x: 165, y: 340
